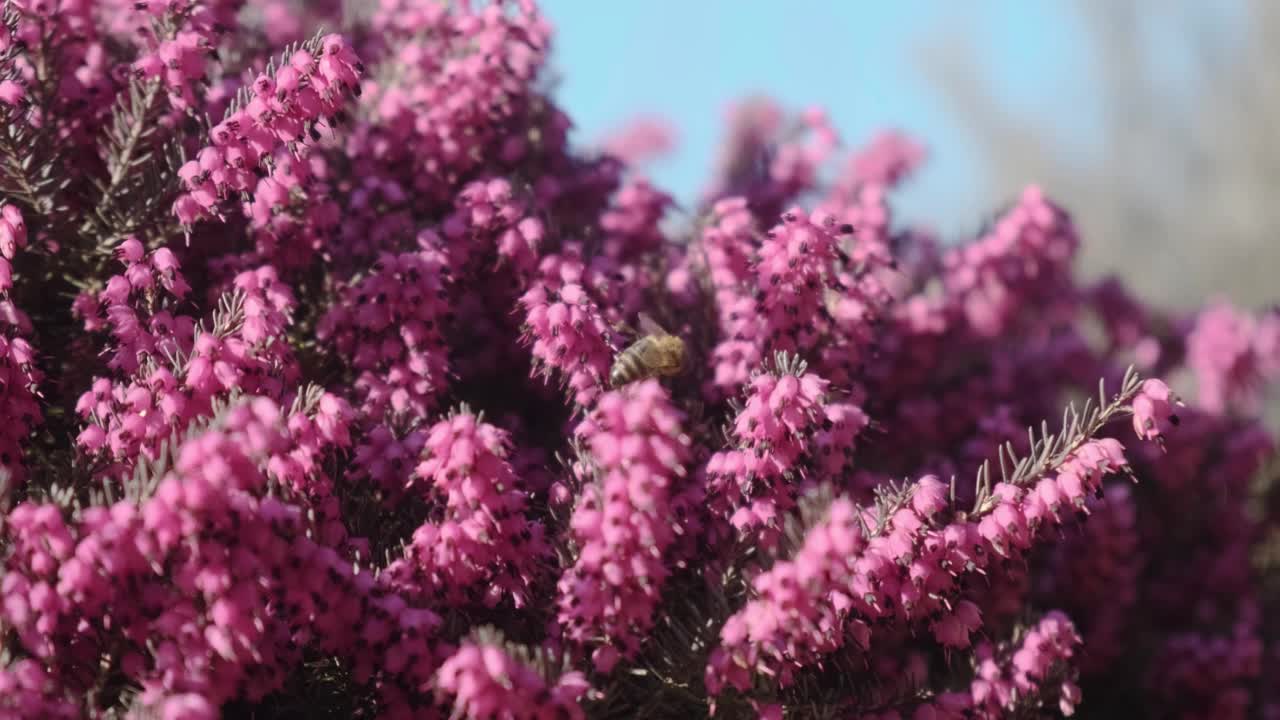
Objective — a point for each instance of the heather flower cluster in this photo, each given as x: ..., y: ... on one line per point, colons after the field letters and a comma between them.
x: 287, y: 109
x: 788, y: 436
x: 485, y: 549
x: 488, y: 682
x: 625, y: 521
x: 1234, y: 355
x: 19, y: 374
x: 312, y: 407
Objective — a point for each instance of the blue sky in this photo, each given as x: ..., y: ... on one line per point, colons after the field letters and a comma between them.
x: 687, y: 61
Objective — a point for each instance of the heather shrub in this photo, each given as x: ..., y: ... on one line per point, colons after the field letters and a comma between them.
x: 320, y: 399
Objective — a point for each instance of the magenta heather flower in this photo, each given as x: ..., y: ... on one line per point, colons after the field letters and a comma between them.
x: 388, y: 328
x: 1207, y: 674
x: 19, y: 375
x: 27, y: 691
x: 1038, y: 670
x: 990, y: 285
x: 468, y: 78
x: 833, y: 445
x: 860, y: 198
x: 799, y: 284
x: 168, y: 372
x: 799, y: 608
x: 1030, y: 675
x: 388, y: 461
x: 631, y: 225
x: 1233, y: 355
x: 768, y: 163
x: 291, y: 213
x: 1153, y: 410
x: 786, y: 431
x: 229, y: 484
x: 195, y: 556
x: 487, y: 683
x: 318, y: 428
x: 13, y: 237
x: 623, y: 523
x: 567, y: 333
x: 728, y: 243
x: 888, y: 158
x: 40, y: 542
x: 641, y: 140
x: 484, y: 549
x: 138, y: 305
x: 795, y: 267
x: 12, y: 93
x: 178, y: 60
x: 908, y: 570
x: 1102, y: 560
x: 492, y: 216
x: 289, y: 107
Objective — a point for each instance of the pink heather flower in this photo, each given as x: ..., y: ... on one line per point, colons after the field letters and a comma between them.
x: 1209, y: 668
x: 19, y: 394
x: 632, y: 224
x: 258, y: 485
x: 485, y: 548
x: 188, y: 706
x: 1233, y: 355
x: 624, y: 522
x: 567, y: 333
x: 641, y: 140
x: 1104, y: 560
x: 1026, y: 676
x: 728, y: 242
x: 796, y: 266
x: 388, y: 461
x: 834, y: 444
x: 990, y: 287
x: 953, y: 629
x: 1053, y: 640
x: 909, y: 574
x: 291, y: 214
x: 785, y: 418
x: 388, y: 328
x: 885, y: 160
x: 148, y: 401
x: 930, y: 496
x: 491, y: 210
x: 12, y: 93
x: 452, y: 121
x: 801, y: 285
x: 485, y: 681
x: 278, y: 113
x: 27, y: 690
x: 13, y: 237
x: 767, y: 167
x: 798, y: 609
x: 201, y: 559
x: 1153, y: 410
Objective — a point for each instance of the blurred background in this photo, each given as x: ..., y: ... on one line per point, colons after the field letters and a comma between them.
x: 1156, y: 122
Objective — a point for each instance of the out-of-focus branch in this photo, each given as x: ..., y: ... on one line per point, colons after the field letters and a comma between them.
x: 1178, y: 187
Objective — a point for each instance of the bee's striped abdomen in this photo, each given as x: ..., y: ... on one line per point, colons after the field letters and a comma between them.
x: 630, y: 366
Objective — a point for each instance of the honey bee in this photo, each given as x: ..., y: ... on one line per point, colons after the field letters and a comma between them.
x: 657, y: 353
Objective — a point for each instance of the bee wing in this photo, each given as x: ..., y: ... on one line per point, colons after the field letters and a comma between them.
x: 649, y: 351
x: 649, y: 326
x: 655, y: 358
